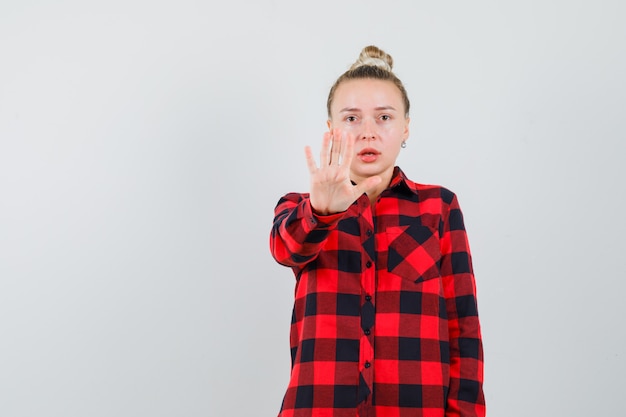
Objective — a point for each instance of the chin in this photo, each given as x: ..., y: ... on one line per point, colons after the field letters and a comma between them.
x: 369, y: 170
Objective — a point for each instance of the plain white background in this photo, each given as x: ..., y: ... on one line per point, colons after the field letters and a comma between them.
x: 144, y: 144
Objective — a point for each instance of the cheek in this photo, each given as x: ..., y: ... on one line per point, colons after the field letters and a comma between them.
x: 393, y: 132
x: 349, y: 129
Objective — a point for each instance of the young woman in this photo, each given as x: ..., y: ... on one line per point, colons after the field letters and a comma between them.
x: 385, y: 321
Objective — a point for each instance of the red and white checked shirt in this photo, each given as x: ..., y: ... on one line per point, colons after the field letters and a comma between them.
x: 385, y: 321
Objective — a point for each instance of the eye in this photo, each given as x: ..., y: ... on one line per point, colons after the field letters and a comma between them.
x: 385, y: 117
x: 351, y: 119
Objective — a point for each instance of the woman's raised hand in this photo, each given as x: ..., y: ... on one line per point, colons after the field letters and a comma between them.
x: 331, y: 188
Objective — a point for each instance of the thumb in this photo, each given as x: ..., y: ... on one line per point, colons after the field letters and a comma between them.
x: 369, y: 185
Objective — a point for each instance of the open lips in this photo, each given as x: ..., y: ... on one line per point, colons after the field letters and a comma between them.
x: 368, y: 155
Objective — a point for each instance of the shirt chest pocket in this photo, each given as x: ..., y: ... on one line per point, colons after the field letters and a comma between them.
x: 413, y: 252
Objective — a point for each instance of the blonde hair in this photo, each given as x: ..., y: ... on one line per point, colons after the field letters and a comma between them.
x: 372, y: 63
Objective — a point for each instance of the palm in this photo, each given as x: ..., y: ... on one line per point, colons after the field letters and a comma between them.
x: 331, y: 188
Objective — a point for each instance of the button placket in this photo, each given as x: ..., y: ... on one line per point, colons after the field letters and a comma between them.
x: 368, y: 287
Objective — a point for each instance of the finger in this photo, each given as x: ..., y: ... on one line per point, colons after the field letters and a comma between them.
x: 310, y: 161
x: 368, y: 185
x: 348, y: 153
x: 324, y: 154
x: 335, y: 151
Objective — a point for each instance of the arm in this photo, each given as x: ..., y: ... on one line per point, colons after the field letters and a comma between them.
x: 302, y: 222
x: 298, y: 234
x: 465, y: 396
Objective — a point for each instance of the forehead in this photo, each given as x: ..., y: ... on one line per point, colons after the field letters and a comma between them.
x: 367, y: 93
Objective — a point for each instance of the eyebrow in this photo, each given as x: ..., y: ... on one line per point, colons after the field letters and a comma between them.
x: 355, y: 109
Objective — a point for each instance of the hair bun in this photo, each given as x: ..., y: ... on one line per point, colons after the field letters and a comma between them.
x: 375, y: 57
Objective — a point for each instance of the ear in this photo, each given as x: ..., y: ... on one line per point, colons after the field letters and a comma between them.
x: 329, y: 124
x: 405, y: 134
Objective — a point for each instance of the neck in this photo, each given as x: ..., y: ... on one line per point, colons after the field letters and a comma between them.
x: 375, y: 193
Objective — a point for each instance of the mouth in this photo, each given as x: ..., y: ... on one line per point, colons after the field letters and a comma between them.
x: 368, y: 155
x: 368, y: 152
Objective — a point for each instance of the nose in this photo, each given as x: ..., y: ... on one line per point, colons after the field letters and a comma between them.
x: 369, y: 129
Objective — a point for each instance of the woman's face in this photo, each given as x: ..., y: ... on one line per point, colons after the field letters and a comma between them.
x: 371, y: 112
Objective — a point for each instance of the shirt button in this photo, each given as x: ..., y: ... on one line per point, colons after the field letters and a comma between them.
x: 368, y: 298
x: 367, y: 364
x: 368, y: 264
x: 367, y: 332
x: 369, y: 232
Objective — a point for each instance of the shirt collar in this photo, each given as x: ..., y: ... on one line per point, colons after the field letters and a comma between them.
x: 400, y: 182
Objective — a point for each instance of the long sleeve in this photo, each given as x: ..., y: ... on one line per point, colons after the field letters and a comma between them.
x: 298, y: 234
x: 465, y: 396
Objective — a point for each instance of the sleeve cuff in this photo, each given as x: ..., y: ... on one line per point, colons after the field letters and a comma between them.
x: 315, y: 220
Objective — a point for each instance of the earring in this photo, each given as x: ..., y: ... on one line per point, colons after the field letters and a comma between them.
x: 403, y: 144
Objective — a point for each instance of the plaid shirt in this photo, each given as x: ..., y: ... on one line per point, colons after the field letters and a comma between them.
x: 385, y: 321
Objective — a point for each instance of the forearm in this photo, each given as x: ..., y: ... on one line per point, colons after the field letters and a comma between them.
x: 465, y: 395
x: 298, y: 234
